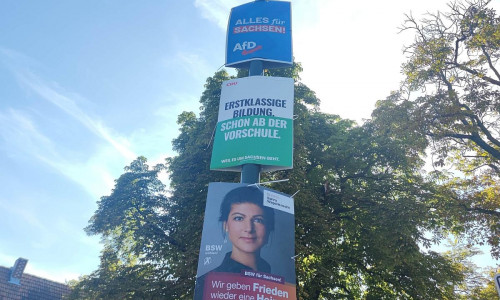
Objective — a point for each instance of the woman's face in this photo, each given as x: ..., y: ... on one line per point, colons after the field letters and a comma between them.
x: 246, y: 227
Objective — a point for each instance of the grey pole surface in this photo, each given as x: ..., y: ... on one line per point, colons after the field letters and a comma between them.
x: 250, y: 173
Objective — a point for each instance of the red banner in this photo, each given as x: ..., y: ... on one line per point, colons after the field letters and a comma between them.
x: 250, y: 287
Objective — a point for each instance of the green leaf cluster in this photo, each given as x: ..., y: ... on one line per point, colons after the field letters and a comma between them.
x: 133, y: 222
x: 449, y: 107
x: 362, y: 212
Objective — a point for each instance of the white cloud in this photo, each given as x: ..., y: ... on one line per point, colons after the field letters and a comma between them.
x: 96, y: 175
x: 217, y: 11
x: 70, y: 106
x: 19, y: 131
x: 24, y: 138
x: 194, y: 65
x: 22, y: 134
x: 13, y: 58
x: 41, y: 236
x: 61, y: 276
x: 26, y: 214
x: 7, y: 260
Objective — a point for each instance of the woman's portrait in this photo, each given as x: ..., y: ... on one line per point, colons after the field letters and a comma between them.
x: 247, y: 239
x: 247, y: 225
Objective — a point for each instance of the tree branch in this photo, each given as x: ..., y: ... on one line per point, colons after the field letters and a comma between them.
x: 474, y: 72
x: 490, y: 62
x: 483, y: 128
x: 482, y: 210
x: 474, y: 136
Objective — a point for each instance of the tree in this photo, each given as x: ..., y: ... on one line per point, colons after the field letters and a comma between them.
x: 361, y: 213
x: 449, y: 103
x: 132, y: 223
x: 478, y: 284
x: 460, y: 254
x: 454, y: 58
x: 487, y: 290
x: 361, y: 216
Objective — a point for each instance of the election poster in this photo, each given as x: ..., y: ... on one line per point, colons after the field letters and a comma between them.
x: 260, y: 30
x: 255, y: 124
x: 247, y: 245
x: 497, y: 283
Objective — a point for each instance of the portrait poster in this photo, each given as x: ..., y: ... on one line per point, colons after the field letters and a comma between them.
x: 255, y: 124
x: 497, y: 283
x: 247, y: 225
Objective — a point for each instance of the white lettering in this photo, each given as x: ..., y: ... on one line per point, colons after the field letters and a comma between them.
x: 246, y: 45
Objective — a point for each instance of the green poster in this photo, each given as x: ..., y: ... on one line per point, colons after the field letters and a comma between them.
x: 255, y: 124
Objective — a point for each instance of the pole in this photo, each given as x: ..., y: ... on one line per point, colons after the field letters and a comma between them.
x: 250, y: 173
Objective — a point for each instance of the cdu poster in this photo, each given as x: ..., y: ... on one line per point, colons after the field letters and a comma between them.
x: 260, y: 30
x: 255, y: 124
x: 247, y: 246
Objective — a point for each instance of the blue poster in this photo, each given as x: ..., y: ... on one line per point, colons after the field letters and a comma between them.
x: 260, y: 30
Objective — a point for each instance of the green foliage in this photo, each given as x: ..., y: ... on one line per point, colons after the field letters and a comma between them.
x: 478, y: 284
x: 450, y: 104
x: 361, y: 212
x: 487, y: 290
x: 133, y: 224
x: 360, y: 216
x: 116, y: 280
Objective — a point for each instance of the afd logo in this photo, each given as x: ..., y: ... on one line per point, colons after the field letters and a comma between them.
x: 246, y: 47
x: 213, y: 247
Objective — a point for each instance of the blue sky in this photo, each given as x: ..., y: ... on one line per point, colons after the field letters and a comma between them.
x: 87, y: 86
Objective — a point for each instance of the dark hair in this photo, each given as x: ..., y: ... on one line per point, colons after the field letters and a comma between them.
x: 247, y: 194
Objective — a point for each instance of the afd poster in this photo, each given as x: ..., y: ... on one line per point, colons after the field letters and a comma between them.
x: 247, y: 245
x: 260, y: 30
x: 255, y: 124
